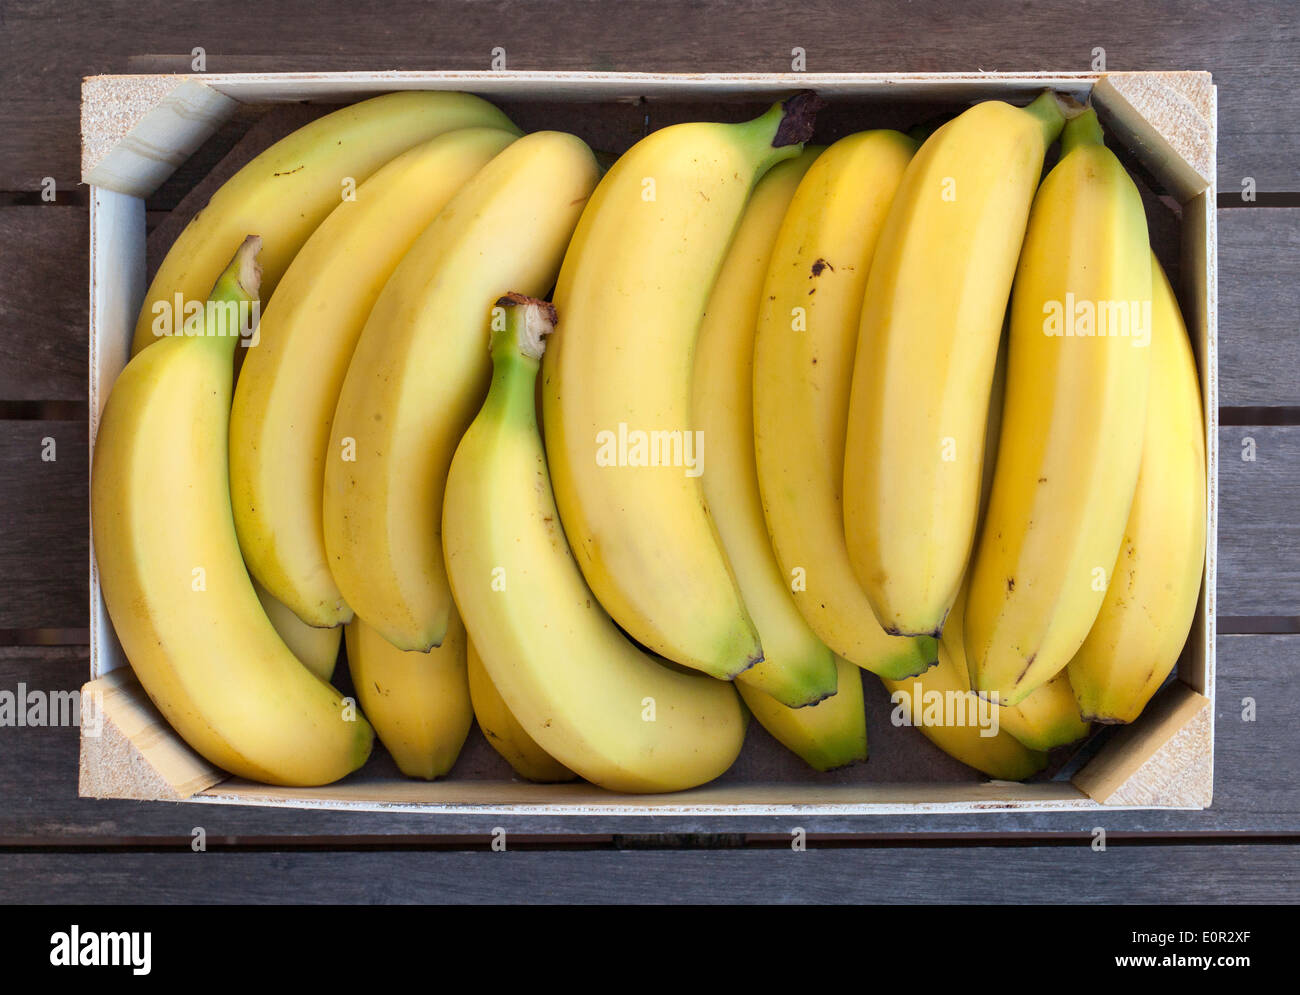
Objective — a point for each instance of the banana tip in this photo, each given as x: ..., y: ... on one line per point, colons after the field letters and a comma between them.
x: 250, y: 270
x: 539, y: 320
x: 800, y: 115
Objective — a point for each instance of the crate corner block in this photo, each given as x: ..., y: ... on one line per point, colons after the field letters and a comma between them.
x: 135, y: 130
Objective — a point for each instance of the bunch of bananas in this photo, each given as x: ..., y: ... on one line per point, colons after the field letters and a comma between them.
x: 768, y: 432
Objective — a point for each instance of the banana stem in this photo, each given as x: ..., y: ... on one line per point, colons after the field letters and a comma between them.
x: 517, y: 340
x: 242, y: 279
x: 798, y: 115
x: 1050, y: 110
x: 226, y: 313
x: 523, y: 326
x: 780, y: 132
x: 1084, y: 129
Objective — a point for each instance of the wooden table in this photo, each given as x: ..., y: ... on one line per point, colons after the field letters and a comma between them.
x: 57, y: 847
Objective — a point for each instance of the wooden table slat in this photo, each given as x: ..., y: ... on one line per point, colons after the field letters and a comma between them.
x: 1259, y: 520
x: 44, y: 525
x: 44, y: 293
x: 1252, y: 56
x: 1171, y: 875
x: 1259, y: 307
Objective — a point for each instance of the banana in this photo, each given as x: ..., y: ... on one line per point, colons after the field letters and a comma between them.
x: 419, y: 373
x: 290, y: 381
x: 931, y: 319
x: 803, y: 356
x: 826, y: 735
x: 581, y: 689
x: 1069, y: 455
x: 419, y: 703
x: 317, y: 649
x: 178, y: 592
x: 797, y: 668
x: 1149, y: 606
x: 504, y: 733
x: 286, y: 191
x: 617, y: 383
x: 1048, y: 717
x: 940, y: 703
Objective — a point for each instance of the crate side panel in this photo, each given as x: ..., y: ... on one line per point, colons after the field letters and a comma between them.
x: 117, y: 287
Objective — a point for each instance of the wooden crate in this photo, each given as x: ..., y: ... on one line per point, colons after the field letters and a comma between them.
x: 136, y: 131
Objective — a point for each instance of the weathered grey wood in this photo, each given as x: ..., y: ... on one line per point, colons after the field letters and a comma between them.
x: 1257, y: 728
x: 1259, y: 521
x: 43, y: 295
x: 1252, y: 54
x: 1257, y: 780
x: 967, y: 875
x: 44, y: 525
x: 1259, y: 307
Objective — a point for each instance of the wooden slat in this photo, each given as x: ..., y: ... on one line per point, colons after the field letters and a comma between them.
x: 1257, y: 781
x: 42, y: 58
x: 1259, y: 521
x: 43, y: 253
x: 1257, y: 767
x: 1259, y: 265
x: 44, y: 526
x: 1045, y: 875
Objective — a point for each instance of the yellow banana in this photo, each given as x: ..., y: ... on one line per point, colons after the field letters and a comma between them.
x: 931, y: 320
x: 419, y: 703
x: 318, y: 649
x: 617, y: 383
x: 584, y: 692
x: 504, y: 733
x: 941, y: 704
x: 175, y: 585
x: 826, y: 735
x: 419, y: 373
x: 289, y: 189
x: 803, y: 363
x: 797, y: 667
x: 1149, y: 606
x: 290, y: 381
x: 1048, y: 716
x: 1069, y: 454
